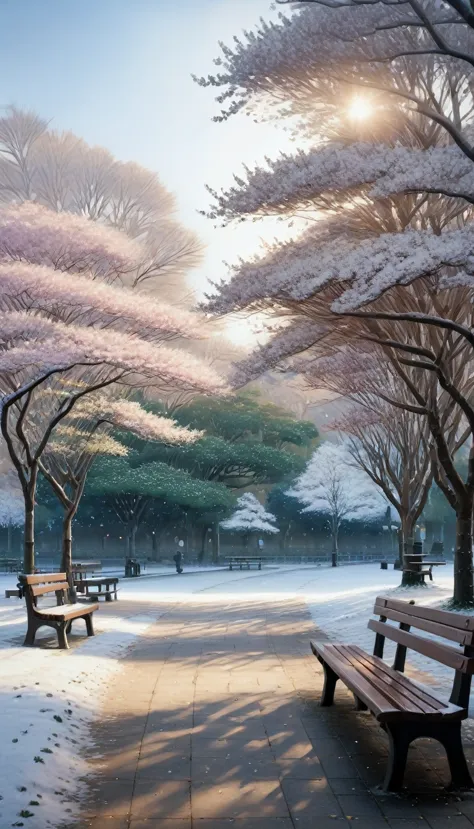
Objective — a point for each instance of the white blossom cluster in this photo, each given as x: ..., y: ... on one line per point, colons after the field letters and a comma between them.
x: 294, y: 338
x: 332, y: 484
x: 250, y: 516
x: 321, y: 40
x: 297, y: 181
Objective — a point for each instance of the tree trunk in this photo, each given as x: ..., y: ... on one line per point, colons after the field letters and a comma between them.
x: 29, y: 539
x: 202, y: 546
x: 66, y: 544
x: 155, y: 545
x: 409, y: 578
x: 29, y: 543
x: 9, y: 539
x: 335, y: 548
x: 133, y: 540
x: 463, y: 580
x: 215, y: 543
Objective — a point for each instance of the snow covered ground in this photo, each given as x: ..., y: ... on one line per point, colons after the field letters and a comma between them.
x: 48, y: 696
x: 47, y: 699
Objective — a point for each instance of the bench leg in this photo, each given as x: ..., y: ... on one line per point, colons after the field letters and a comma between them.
x: 89, y: 624
x: 69, y: 626
x: 360, y: 706
x: 330, y: 679
x: 62, y: 636
x: 108, y: 597
x: 452, y: 742
x: 399, y: 741
x: 30, y: 635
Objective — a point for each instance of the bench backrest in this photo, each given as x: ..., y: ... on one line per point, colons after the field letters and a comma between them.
x: 40, y: 584
x: 458, y: 629
x: 80, y: 569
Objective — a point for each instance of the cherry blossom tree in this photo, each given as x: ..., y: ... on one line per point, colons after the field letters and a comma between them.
x: 323, y: 53
x: 69, y: 329
x: 63, y: 173
x: 331, y: 484
x: 84, y: 435
x: 250, y: 517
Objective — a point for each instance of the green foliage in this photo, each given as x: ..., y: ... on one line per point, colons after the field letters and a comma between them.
x: 114, y: 476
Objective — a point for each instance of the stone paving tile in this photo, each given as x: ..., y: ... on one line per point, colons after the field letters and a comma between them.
x: 244, y: 823
x: 163, y: 798
x: 161, y: 823
x: 229, y: 731
x: 258, y: 798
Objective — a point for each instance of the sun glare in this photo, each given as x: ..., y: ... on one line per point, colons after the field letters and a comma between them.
x: 360, y: 109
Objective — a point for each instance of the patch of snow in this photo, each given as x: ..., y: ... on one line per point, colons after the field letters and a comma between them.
x: 48, y: 699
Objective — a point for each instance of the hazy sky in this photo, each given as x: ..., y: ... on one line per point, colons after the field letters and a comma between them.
x: 117, y: 73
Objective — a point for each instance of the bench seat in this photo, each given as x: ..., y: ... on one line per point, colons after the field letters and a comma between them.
x: 388, y: 694
x: 67, y: 611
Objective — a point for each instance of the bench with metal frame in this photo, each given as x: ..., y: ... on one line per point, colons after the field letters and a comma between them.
x: 248, y: 560
x: 405, y: 709
x: 61, y: 616
x: 420, y: 563
x: 83, y: 584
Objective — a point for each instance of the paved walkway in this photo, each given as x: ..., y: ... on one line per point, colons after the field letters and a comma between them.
x: 214, y: 723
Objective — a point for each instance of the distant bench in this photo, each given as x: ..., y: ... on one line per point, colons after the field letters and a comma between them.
x: 248, y: 560
x: 421, y: 564
x: 10, y: 565
x: 407, y: 710
x: 59, y: 616
x: 94, y: 588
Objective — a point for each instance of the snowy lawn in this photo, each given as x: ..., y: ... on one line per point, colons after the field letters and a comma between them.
x: 48, y: 698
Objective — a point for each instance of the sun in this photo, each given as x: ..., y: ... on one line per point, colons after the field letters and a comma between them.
x: 360, y: 109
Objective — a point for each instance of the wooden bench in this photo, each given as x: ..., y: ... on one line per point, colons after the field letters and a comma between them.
x: 248, y: 560
x: 419, y: 563
x: 405, y: 709
x: 87, y: 586
x: 10, y: 565
x: 61, y: 616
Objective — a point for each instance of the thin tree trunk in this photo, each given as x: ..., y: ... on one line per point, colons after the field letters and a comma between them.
x: 29, y: 543
x: 9, y: 539
x: 202, y: 548
x: 335, y: 547
x: 133, y: 540
x: 409, y: 577
x: 463, y: 579
x: 215, y: 543
x: 66, y: 544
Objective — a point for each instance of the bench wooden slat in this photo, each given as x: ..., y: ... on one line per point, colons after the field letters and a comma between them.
x: 71, y: 611
x: 433, y: 650
x: 390, y: 693
x: 462, y: 637
x: 387, y: 681
x: 41, y: 590
x: 42, y: 578
x: 357, y: 683
x: 444, y: 617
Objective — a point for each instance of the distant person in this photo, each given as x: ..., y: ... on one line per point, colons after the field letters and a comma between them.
x: 177, y: 558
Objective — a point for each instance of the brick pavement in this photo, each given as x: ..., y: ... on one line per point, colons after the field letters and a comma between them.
x: 214, y: 722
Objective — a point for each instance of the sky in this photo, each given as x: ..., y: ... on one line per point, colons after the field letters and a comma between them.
x: 118, y: 73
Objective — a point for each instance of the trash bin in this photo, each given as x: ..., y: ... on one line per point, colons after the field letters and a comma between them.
x: 132, y: 568
x: 384, y: 565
